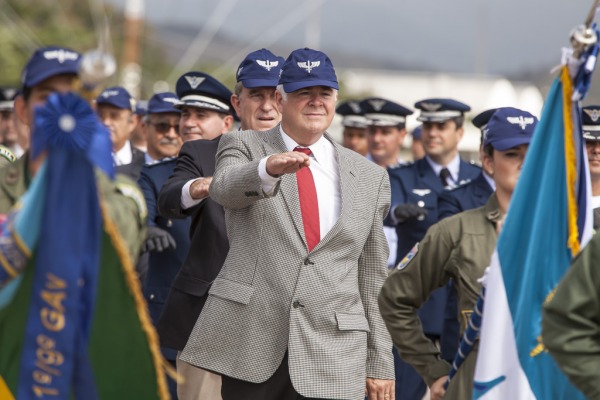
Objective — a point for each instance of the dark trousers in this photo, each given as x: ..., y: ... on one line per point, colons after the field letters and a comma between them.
x: 277, y: 387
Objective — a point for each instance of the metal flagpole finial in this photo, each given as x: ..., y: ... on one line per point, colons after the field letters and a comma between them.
x: 585, y: 35
x: 99, y: 64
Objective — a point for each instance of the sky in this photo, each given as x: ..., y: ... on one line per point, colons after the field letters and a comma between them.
x: 503, y: 37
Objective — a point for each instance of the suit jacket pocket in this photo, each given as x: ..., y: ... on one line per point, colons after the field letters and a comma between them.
x: 231, y: 290
x: 352, y: 322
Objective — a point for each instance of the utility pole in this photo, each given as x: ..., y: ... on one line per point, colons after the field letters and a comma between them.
x: 131, y: 72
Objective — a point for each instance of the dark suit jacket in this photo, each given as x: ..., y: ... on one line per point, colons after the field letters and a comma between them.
x: 163, y: 266
x: 209, y: 244
x: 133, y: 169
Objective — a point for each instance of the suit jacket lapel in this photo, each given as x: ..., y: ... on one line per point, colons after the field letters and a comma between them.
x: 289, y: 185
x: 348, y: 182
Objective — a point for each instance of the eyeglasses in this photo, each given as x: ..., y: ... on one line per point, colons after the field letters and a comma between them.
x: 163, y: 127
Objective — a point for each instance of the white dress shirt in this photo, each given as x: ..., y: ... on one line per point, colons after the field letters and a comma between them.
x: 124, y: 155
x: 453, y: 166
x: 326, y: 173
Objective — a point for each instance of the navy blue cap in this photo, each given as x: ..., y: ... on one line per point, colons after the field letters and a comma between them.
x: 416, y: 133
x: 590, y: 120
x: 305, y: 68
x: 352, y: 114
x: 481, y: 119
x: 260, y: 68
x: 509, y: 127
x: 197, y: 89
x: 440, y: 110
x: 141, y: 107
x: 47, y: 62
x: 116, y: 96
x: 381, y: 112
x: 7, y: 98
x: 163, y: 103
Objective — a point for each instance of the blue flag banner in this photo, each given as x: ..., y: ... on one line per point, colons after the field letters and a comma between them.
x: 546, y: 225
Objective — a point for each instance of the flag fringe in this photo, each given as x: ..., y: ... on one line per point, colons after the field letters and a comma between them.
x: 142, y: 310
x: 571, y: 162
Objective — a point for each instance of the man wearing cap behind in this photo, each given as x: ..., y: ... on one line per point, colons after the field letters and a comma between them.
x: 167, y: 242
x: 386, y: 130
x: 55, y: 69
x: 591, y: 135
x: 416, y: 146
x: 293, y: 311
x: 415, y: 191
x: 115, y: 108
x: 181, y: 196
x: 354, y: 136
x: 459, y: 248
x: 8, y: 131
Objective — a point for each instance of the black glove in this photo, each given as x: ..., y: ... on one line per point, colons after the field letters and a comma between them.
x: 158, y: 240
x: 404, y: 212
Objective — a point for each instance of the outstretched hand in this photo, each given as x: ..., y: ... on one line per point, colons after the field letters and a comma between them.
x: 286, y: 163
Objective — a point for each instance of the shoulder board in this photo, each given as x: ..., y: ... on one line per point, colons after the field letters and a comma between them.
x: 162, y: 162
x: 460, y: 185
x: 402, y: 166
x: 7, y: 154
x: 134, y: 193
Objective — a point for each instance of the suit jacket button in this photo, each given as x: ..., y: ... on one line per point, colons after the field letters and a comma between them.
x: 306, y: 262
x: 297, y: 304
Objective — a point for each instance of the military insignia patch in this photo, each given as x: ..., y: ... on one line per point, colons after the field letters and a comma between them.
x: 266, y: 64
x: 409, y: 256
x: 194, y: 81
x: 134, y: 194
x: 6, y: 153
x: 421, y: 192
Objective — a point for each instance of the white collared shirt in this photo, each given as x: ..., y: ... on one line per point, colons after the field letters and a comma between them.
x: 453, y: 166
x: 326, y: 173
x: 124, y: 155
x: 490, y: 181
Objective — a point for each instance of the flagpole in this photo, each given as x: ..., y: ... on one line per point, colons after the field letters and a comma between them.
x: 584, y: 35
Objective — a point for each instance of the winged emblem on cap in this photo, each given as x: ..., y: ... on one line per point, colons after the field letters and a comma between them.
x: 431, y: 106
x: 521, y: 121
x: 195, y: 81
x: 266, y: 64
x: 594, y: 114
x: 355, y: 107
x: 60, y: 55
x: 109, y: 93
x: 377, y: 104
x: 309, y: 65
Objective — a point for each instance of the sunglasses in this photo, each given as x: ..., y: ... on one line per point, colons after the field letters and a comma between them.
x: 164, y: 127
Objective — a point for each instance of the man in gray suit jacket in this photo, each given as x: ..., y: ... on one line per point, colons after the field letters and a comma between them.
x: 293, y: 313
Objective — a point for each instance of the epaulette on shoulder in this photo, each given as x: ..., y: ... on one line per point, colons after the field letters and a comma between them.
x: 402, y: 166
x: 460, y: 185
x: 132, y: 191
x: 7, y: 154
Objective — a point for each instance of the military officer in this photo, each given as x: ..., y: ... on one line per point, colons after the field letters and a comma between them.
x: 591, y: 135
x: 354, y: 136
x: 55, y: 69
x: 9, y: 136
x: 415, y: 190
x: 386, y: 130
x: 470, y: 195
x: 458, y: 247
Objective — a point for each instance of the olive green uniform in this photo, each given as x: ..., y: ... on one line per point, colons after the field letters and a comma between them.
x: 124, y: 201
x: 459, y: 248
x: 571, y: 321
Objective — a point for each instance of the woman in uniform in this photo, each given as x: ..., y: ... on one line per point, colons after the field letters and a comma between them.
x: 458, y: 248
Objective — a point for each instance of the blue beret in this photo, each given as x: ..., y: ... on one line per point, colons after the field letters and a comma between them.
x: 416, y: 133
x: 116, y: 96
x: 260, y: 69
x: 305, y: 68
x: 481, y: 119
x: 7, y: 98
x: 381, y: 112
x: 509, y: 127
x: 163, y: 103
x: 440, y: 110
x: 590, y: 119
x: 197, y: 89
x: 352, y: 114
x: 47, y: 62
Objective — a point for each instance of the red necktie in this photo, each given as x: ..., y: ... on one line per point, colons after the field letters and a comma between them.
x: 309, y: 205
